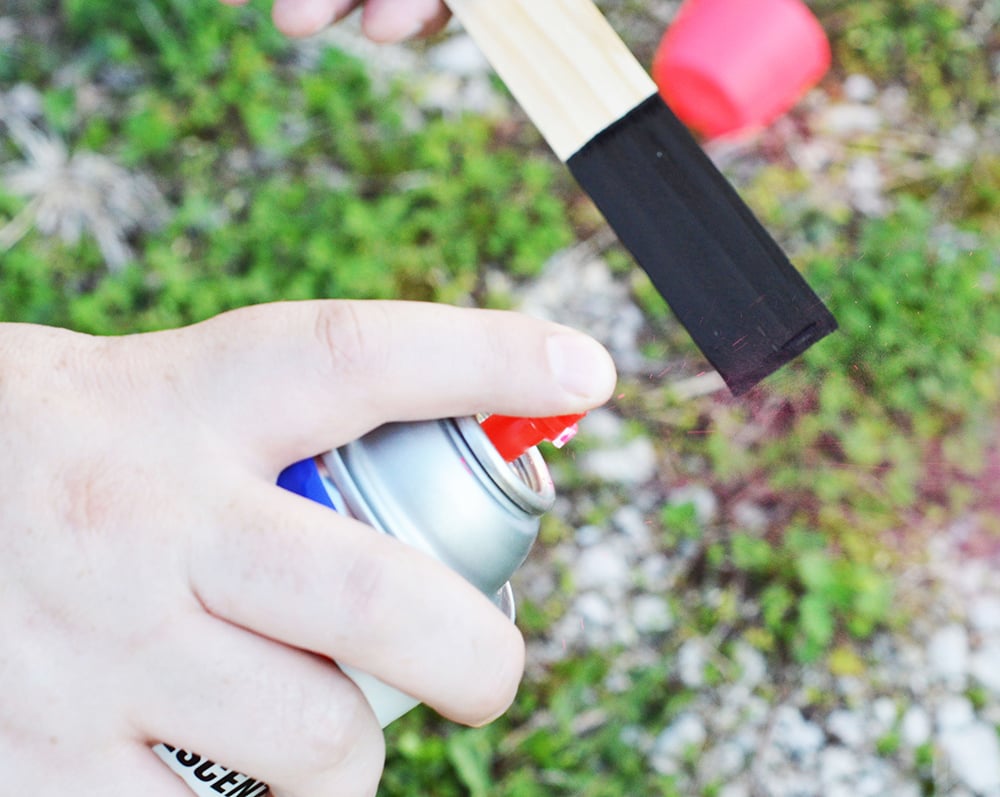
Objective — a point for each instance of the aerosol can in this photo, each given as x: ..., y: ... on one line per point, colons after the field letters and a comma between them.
x: 466, y: 492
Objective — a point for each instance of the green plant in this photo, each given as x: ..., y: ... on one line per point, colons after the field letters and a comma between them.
x: 354, y: 204
x: 807, y: 592
x: 680, y: 522
x: 926, y: 46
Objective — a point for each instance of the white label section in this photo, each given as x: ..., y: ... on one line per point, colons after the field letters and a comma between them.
x: 207, y: 778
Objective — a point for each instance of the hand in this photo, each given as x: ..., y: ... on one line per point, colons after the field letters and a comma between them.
x: 155, y: 584
x: 382, y: 20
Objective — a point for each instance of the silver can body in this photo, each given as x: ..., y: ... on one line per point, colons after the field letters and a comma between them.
x: 441, y: 487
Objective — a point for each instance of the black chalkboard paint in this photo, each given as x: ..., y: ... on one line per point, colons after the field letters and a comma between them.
x: 725, y: 278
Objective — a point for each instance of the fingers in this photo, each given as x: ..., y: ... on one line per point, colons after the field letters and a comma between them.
x: 383, y: 20
x: 306, y: 17
x: 395, y: 20
x: 294, y: 571
x: 292, y: 379
x: 232, y: 704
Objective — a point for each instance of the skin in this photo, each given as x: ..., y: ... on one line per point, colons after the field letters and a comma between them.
x: 155, y: 584
x: 381, y: 20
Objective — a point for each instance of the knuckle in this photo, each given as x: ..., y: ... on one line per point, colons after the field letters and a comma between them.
x: 340, y: 737
x: 362, y: 589
x: 348, y: 340
x: 505, y: 338
x: 89, y: 495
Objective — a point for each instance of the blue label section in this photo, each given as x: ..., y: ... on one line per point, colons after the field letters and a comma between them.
x: 303, y: 478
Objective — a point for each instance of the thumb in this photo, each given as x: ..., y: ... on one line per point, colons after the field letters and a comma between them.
x: 289, y: 380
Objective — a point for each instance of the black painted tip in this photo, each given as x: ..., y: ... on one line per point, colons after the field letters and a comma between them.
x: 728, y: 282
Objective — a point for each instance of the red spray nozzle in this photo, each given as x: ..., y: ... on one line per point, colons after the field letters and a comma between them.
x: 513, y: 436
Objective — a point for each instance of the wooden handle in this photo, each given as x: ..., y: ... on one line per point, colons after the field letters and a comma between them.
x: 563, y: 62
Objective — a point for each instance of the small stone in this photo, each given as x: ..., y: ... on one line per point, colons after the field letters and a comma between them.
x: 785, y: 782
x: 602, y: 567
x: 25, y: 100
x: 691, y: 661
x: 636, y: 736
x: 587, y: 536
x: 984, y: 614
x: 974, y: 753
x: 985, y: 666
x: 950, y: 154
x: 603, y: 425
x: 849, y: 119
x: 480, y: 96
x: 655, y: 572
x: 459, y: 55
x: 865, y: 182
x: 848, y: 726
x: 756, y: 710
x: 618, y: 683
x: 875, y: 783
x: 948, y: 655
x: 651, y: 615
x: 735, y: 789
x: 750, y: 516
x: 594, y: 610
x: 440, y: 90
x: 884, y: 714
x: 630, y: 464
x: 729, y: 714
x: 860, y: 88
x: 799, y: 737
x: 633, y: 524
x: 954, y: 713
x: 894, y: 102
x: 837, y: 765
x: 752, y: 664
x: 704, y: 501
x: 915, y: 727
x: 624, y: 633
x: 724, y: 761
x: 684, y: 734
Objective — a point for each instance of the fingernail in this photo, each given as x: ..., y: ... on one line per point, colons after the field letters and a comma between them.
x: 581, y: 366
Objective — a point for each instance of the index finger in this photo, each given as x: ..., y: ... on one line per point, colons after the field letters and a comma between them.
x: 288, y: 380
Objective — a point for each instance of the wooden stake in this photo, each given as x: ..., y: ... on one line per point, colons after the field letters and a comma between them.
x: 563, y: 63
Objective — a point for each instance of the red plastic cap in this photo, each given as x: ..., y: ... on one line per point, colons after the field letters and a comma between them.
x: 727, y: 65
x: 513, y: 436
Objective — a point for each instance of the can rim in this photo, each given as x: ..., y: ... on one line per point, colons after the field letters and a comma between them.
x: 526, y: 481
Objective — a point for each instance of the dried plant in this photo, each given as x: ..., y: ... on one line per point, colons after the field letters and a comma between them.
x: 70, y: 195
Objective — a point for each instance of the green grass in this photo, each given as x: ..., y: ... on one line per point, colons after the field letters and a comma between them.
x: 351, y: 204
x: 925, y: 46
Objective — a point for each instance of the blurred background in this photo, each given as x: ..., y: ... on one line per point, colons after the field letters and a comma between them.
x: 789, y: 594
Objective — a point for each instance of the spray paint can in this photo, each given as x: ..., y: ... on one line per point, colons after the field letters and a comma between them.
x: 470, y: 498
